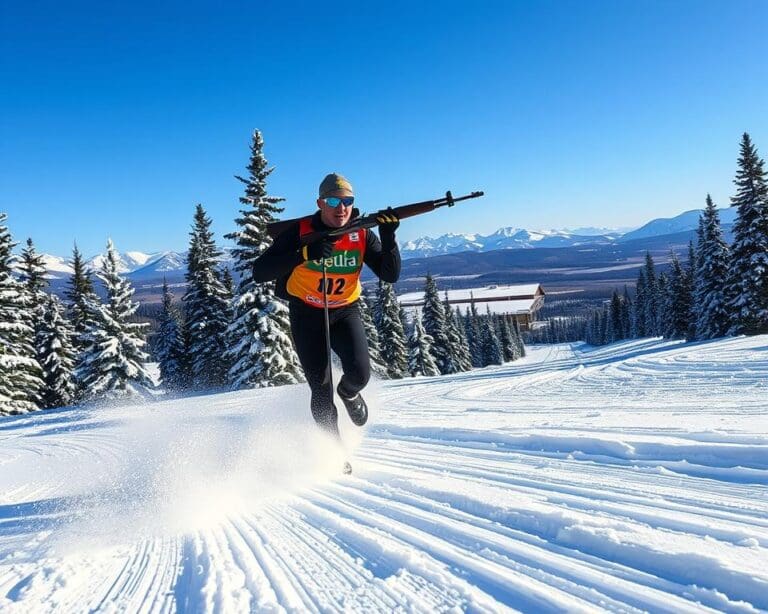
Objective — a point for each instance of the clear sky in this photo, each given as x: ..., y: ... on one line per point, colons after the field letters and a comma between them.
x: 116, y: 118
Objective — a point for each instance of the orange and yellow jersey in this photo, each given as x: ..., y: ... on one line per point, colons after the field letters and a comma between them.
x: 343, y: 268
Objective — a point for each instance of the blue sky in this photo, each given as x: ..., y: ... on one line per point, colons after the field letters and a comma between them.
x: 117, y: 118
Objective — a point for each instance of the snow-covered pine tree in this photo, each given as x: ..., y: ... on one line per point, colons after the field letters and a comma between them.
x: 626, y: 314
x: 615, y: 327
x: 638, y: 312
x: 79, y: 293
x: 374, y: 346
x: 113, y: 364
x: 435, y: 325
x: 678, y: 317
x: 394, y: 345
x: 457, y: 338
x: 31, y: 272
x: 663, y: 305
x: 690, y: 274
x: 420, y: 345
x: 651, y: 298
x: 170, y: 345
x: 593, y: 328
x: 186, y: 338
x: 748, y: 278
x: 228, y: 283
x: 407, y: 325
x: 206, y: 307
x: 20, y: 372
x: 710, y: 305
x: 56, y: 355
x: 262, y: 353
x: 32, y: 276
x: 492, y: 353
x: 604, y: 325
x: 508, y: 345
x: 474, y: 335
x: 518, y: 337
x: 376, y: 305
x: 674, y: 323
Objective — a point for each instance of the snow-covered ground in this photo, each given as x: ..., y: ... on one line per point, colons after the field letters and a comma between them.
x: 625, y: 478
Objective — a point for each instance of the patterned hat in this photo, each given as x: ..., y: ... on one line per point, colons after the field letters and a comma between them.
x: 334, y: 182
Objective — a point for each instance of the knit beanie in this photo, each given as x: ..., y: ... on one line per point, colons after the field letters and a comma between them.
x: 333, y: 183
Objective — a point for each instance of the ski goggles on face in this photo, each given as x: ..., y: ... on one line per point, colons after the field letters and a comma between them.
x: 334, y: 202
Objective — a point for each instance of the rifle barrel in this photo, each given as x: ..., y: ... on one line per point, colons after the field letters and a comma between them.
x: 369, y: 221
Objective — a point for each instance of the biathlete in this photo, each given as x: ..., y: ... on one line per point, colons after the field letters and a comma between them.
x: 299, y: 273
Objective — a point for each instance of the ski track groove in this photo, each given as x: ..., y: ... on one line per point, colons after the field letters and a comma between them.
x: 479, y: 535
x: 558, y: 490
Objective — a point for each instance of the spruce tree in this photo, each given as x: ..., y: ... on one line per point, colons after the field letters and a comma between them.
x: 748, y: 278
x: 626, y: 314
x: 710, y: 305
x: 474, y: 335
x: 491, y: 346
x: 435, y: 325
x: 113, y: 364
x: 679, y: 301
x: 457, y: 338
x: 663, y: 305
x: 393, y: 342
x: 615, y: 326
x: 206, y: 307
x: 638, y: 313
x: 593, y: 336
x: 20, y: 372
x: 690, y: 276
x: 79, y: 293
x: 650, y: 298
x: 56, y: 355
x: 420, y: 351
x: 518, y: 337
x: 32, y: 276
x: 506, y: 337
x: 604, y: 325
x: 372, y: 335
x: 262, y: 352
x: 170, y: 345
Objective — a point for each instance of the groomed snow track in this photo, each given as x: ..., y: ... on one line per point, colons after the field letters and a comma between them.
x: 632, y: 477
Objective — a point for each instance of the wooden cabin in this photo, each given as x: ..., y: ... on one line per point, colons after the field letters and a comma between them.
x: 521, y: 301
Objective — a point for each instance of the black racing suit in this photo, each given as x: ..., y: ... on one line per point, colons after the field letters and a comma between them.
x: 348, y: 338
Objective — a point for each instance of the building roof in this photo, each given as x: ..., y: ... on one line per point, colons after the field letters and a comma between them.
x: 465, y: 295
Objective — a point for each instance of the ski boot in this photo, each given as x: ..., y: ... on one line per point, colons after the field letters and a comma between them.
x: 356, y: 408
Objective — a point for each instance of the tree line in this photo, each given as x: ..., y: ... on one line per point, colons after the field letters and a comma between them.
x: 719, y: 290
x: 225, y: 334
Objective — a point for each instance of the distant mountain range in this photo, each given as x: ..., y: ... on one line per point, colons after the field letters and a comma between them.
x: 148, y: 270
x: 520, y: 238
x: 504, y: 238
x: 136, y: 265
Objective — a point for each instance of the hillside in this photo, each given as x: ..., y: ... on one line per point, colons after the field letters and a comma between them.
x: 631, y: 477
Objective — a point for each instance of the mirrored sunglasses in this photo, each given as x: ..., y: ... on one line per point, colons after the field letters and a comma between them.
x: 334, y: 202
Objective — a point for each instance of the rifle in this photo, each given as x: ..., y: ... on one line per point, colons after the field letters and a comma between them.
x: 369, y: 221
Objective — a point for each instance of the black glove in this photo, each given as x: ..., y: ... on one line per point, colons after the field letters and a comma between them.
x: 388, y: 221
x: 319, y: 250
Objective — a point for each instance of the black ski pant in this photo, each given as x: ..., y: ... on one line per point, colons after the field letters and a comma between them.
x: 348, y: 341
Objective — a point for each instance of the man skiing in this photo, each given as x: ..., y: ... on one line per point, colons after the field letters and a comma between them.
x: 298, y: 270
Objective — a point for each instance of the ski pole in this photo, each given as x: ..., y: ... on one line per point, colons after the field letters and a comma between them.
x: 327, y: 335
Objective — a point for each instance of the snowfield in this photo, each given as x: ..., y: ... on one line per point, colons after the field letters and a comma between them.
x: 632, y: 477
